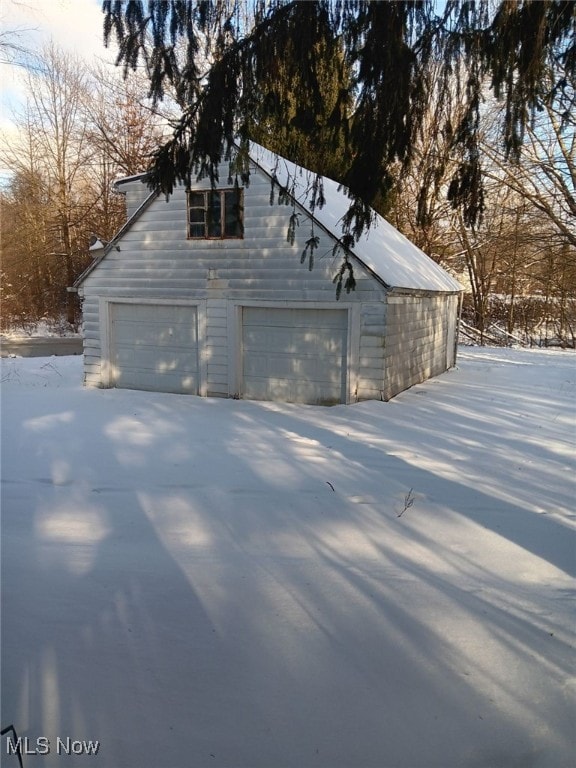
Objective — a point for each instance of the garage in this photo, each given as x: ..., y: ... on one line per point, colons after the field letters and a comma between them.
x: 294, y: 355
x: 154, y: 347
x: 237, y: 316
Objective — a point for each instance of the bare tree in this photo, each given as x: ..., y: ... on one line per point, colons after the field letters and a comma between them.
x: 44, y: 244
x: 122, y: 122
x: 27, y: 272
x: 519, y: 260
x: 545, y: 174
x: 78, y: 132
x: 55, y: 96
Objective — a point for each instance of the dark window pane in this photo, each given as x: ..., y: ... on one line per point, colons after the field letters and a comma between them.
x: 214, y: 215
x: 196, y: 199
x: 197, y: 230
x: 196, y: 215
x: 232, y: 214
x: 214, y: 229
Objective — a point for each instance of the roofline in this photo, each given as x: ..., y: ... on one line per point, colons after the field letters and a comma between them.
x: 331, y: 227
x: 322, y: 226
x: 425, y: 292
x: 307, y: 211
x: 326, y: 229
x: 118, y: 236
x: 128, y: 179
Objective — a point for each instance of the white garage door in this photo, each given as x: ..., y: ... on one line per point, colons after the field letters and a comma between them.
x: 294, y: 355
x: 154, y: 347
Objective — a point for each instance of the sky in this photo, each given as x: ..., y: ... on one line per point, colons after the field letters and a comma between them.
x: 73, y: 25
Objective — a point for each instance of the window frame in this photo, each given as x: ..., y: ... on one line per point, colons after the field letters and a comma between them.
x: 207, y: 206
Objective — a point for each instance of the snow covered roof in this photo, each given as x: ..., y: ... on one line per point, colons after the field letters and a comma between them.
x: 129, y: 179
x: 383, y: 249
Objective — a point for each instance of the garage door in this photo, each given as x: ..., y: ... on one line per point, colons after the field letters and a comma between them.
x: 294, y: 355
x: 154, y: 347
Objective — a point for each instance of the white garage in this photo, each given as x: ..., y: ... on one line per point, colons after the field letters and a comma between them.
x: 207, y: 292
x: 154, y: 347
x: 295, y: 355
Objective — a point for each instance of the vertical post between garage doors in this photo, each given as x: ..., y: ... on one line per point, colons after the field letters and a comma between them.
x: 246, y: 380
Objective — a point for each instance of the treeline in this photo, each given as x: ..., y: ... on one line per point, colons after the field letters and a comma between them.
x: 518, y: 263
x: 80, y: 129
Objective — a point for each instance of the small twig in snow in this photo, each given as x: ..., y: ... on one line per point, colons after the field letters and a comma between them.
x: 49, y: 365
x: 12, y: 373
x: 331, y: 486
x: 408, y: 501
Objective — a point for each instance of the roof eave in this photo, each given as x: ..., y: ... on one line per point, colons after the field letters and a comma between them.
x: 113, y: 244
x: 142, y: 177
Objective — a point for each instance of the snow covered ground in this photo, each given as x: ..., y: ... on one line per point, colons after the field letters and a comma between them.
x: 197, y: 583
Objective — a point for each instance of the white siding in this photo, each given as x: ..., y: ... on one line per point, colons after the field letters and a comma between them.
x: 418, y: 344
x: 136, y: 192
x: 216, y: 347
x: 394, y: 341
x: 372, y: 352
x: 155, y: 260
x: 91, y: 332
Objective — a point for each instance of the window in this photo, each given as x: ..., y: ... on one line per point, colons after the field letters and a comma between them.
x: 215, y: 214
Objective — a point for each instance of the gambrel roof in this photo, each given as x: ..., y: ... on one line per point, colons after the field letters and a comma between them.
x: 386, y: 252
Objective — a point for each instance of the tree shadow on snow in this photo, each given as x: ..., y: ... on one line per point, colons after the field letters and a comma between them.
x: 187, y: 597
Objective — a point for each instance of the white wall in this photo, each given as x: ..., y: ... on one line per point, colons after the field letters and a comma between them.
x: 395, y: 341
x: 420, y: 339
x: 156, y: 261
